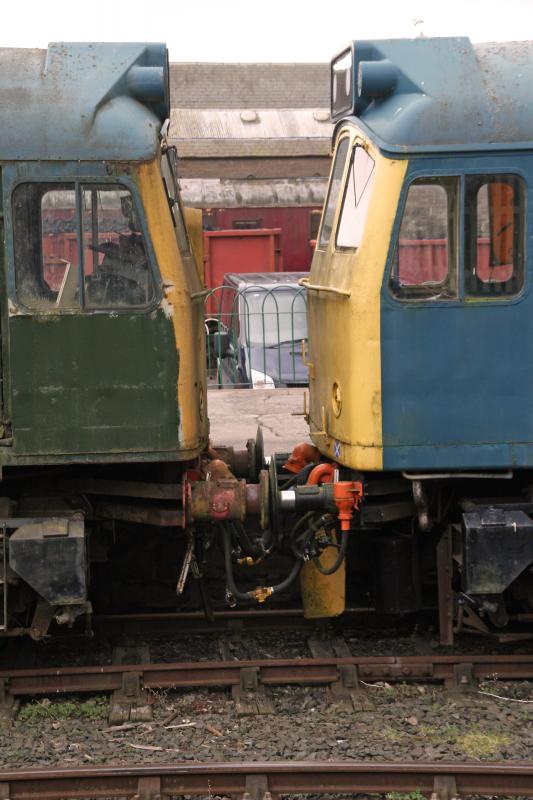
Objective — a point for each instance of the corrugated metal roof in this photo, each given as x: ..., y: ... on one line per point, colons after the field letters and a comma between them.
x: 209, y: 192
x: 269, y: 123
x: 201, y: 85
x: 225, y: 132
x: 252, y: 148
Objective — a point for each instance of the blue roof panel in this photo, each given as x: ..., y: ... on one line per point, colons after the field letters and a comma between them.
x: 83, y: 101
x: 444, y: 93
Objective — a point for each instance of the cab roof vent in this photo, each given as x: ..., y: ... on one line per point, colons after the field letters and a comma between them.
x: 436, y: 94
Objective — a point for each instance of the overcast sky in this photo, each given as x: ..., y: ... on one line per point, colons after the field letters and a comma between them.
x: 259, y: 30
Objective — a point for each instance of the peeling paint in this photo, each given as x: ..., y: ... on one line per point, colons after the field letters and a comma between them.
x: 51, y: 389
x: 168, y: 308
x: 108, y: 116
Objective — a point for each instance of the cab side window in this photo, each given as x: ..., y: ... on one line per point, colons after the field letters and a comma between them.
x: 59, y: 246
x: 333, y: 192
x: 493, y: 246
x: 425, y: 259
x: 115, y: 262
x: 494, y: 235
x: 48, y: 245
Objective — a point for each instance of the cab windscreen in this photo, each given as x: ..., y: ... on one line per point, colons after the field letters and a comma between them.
x: 342, y: 84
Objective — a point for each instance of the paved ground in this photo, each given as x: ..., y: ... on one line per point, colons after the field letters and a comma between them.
x: 236, y: 413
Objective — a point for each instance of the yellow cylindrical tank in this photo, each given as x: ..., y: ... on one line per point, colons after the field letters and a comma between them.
x: 323, y: 595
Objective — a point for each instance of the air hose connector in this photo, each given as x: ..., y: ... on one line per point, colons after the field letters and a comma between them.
x: 347, y: 496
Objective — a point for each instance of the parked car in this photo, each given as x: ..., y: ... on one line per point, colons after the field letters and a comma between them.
x: 260, y: 324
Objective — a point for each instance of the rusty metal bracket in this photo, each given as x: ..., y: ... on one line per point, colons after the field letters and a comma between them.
x: 148, y: 788
x: 8, y: 703
x: 187, y: 560
x: 130, y: 702
x: 463, y: 680
x: 256, y: 787
x: 250, y: 695
x: 328, y: 648
x: 225, y: 649
x: 446, y: 595
x: 348, y: 692
x: 445, y: 787
x: 42, y: 617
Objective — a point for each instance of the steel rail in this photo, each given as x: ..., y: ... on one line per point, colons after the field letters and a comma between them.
x: 310, y: 671
x: 182, y: 624
x: 316, y: 777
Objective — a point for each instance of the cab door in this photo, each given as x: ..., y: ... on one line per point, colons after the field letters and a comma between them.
x: 456, y: 321
x: 92, y: 353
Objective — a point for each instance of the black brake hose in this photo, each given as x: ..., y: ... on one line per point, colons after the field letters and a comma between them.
x: 243, y: 596
x: 292, y: 540
x: 254, y: 550
x: 291, y: 577
x: 306, y: 537
x: 299, y: 478
x: 249, y: 596
x: 338, y: 561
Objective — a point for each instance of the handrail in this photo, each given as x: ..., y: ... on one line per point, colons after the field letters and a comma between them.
x: 201, y: 294
x: 317, y: 288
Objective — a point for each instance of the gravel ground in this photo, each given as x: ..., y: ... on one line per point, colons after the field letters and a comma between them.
x: 417, y: 722
x: 407, y: 722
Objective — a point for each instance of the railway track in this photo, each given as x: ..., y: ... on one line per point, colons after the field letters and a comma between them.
x: 457, y: 671
x: 163, y: 781
x: 133, y: 674
x: 182, y: 624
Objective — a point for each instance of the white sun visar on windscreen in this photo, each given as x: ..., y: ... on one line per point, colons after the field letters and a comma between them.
x: 356, y: 200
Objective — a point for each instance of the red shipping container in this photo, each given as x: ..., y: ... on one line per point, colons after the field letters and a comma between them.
x: 256, y: 250
x: 298, y: 224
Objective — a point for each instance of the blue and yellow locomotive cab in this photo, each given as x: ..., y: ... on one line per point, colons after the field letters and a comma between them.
x: 419, y: 296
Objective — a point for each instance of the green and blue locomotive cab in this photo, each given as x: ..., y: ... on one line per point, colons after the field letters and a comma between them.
x: 103, y: 379
x: 99, y: 332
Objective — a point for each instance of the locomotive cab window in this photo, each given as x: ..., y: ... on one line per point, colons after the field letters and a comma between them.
x: 333, y: 193
x: 425, y: 259
x: 48, y: 244
x: 494, y: 235
x: 115, y: 262
x: 356, y: 200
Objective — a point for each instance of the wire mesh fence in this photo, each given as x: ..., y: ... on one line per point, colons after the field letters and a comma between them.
x: 255, y: 333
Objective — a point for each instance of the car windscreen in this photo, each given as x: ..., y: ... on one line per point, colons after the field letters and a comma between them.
x: 273, y: 316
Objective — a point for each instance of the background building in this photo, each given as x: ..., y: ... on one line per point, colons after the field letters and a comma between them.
x: 254, y: 144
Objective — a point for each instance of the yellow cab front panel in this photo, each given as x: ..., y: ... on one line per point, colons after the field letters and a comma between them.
x: 344, y: 302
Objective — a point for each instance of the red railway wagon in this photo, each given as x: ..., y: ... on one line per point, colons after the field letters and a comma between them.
x: 225, y: 251
x: 299, y: 225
